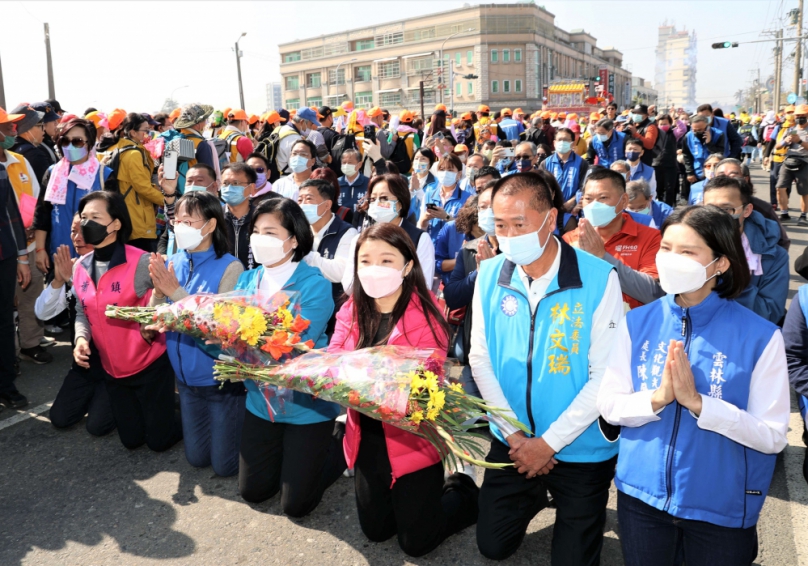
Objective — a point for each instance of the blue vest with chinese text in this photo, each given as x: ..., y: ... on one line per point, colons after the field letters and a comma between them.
x: 541, y: 360
x: 672, y: 464
x: 615, y: 152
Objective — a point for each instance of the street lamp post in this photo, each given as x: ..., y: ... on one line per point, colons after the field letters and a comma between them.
x: 441, y: 57
x: 336, y: 75
x: 238, y: 67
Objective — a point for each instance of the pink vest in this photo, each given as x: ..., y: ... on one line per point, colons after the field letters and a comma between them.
x: 122, y: 349
x: 407, y: 452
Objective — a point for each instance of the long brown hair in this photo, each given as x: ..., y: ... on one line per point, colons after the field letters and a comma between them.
x: 367, y: 314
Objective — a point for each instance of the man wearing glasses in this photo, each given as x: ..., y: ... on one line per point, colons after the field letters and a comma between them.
x: 768, y: 262
x: 30, y: 133
x: 238, y: 185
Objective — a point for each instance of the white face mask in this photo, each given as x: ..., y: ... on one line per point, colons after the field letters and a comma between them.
x: 679, y: 274
x: 188, y: 237
x: 348, y: 169
x: 383, y: 214
x: 447, y: 178
x: 266, y: 249
x: 379, y: 281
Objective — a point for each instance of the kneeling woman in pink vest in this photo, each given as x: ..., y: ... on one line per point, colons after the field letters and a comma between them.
x: 400, y: 488
x: 137, y: 371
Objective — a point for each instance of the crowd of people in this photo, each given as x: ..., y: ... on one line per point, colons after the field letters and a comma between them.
x: 588, y: 274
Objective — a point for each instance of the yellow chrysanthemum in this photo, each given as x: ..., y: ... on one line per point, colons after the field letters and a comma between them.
x: 431, y: 381
x: 432, y: 414
x: 252, y: 325
x: 417, y: 417
x: 437, y: 399
x: 456, y: 387
x: 416, y: 383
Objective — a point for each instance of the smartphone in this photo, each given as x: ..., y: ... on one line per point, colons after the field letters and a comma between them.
x: 170, y: 165
x: 509, y: 152
x: 439, y: 136
x: 370, y: 134
x: 431, y: 205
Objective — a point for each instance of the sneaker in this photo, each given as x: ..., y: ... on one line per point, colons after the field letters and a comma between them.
x: 46, y: 342
x: 53, y: 329
x: 784, y: 216
x: 37, y: 354
x: 14, y: 400
x: 802, y: 221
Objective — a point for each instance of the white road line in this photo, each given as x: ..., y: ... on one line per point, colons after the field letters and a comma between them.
x: 797, y: 488
x: 24, y: 416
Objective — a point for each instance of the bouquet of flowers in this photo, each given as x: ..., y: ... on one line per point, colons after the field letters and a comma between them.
x: 400, y: 386
x: 252, y: 327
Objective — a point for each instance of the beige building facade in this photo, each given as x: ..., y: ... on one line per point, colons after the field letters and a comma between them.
x: 675, y: 72
x: 501, y: 55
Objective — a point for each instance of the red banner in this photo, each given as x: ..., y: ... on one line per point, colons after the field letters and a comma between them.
x: 604, y: 77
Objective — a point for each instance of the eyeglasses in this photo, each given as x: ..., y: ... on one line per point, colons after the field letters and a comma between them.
x: 380, y: 200
x: 76, y: 142
x: 40, y: 126
x: 259, y: 169
x: 523, y: 157
x: 297, y: 154
x: 188, y: 223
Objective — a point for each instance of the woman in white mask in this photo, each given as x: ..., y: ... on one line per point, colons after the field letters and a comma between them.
x: 700, y: 386
x: 444, y: 199
x: 212, y: 415
x: 289, y: 442
x: 389, y: 203
x: 422, y: 178
x: 390, y: 305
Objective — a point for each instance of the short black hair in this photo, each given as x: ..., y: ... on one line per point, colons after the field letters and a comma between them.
x: 605, y: 123
x: 725, y: 182
x: 292, y: 219
x: 484, y: 171
x: 541, y: 195
x: 205, y: 167
x: 612, y: 105
x: 396, y: 185
x: 720, y: 232
x: 308, y: 144
x: 604, y: 174
x: 116, y: 208
x: 209, y: 208
x: 241, y: 167
x: 635, y: 141
x: 566, y: 131
x: 260, y: 156
x: 704, y: 107
x: 426, y: 152
x: 325, y: 188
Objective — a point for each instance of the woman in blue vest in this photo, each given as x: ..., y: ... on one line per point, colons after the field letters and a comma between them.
x: 212, y: 413
x: 608, y: 145
x: 289, y: 444
x: 59, y: 201
x: 703, y: 413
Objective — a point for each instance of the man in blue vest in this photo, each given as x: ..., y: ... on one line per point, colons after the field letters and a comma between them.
x: 332, y: 236
x: 639, y: 171
x: 732, y: 140
x: 545, y: 318
x: 568, y: 168
x: 640, y: 201
x: 700, y: 143
x: 511, y: 127
x: 608, y: 145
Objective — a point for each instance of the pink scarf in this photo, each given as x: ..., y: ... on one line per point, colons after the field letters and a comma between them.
x: 82, y: 175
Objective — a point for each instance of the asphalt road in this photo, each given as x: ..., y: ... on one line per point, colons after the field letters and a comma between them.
x: 69, y: 498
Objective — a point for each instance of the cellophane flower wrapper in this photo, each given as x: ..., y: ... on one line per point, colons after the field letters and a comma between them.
x: 400, y: 386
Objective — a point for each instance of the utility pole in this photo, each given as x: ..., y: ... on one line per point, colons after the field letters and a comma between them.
x: 51, y: 88
x: 778, y: 69
x: 238, y: 66
x: 421, y: 88
x: 2, y: 89
x: 758, y: 101
x: 798, y: 52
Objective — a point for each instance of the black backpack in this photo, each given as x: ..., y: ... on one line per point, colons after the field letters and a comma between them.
x: 341, y: 143
x: 112, y: 183
x: 401, y: 156
x: 268, y: 147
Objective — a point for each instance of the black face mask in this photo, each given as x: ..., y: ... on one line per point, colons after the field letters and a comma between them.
x: 701, y: 136
x: 93, y: 232
x: 802, y: 120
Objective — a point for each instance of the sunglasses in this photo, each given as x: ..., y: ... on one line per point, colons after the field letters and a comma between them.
x: 259, y: 169
x: 77, y: 142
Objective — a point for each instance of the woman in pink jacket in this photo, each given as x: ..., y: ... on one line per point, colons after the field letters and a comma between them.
x: 400, y: 489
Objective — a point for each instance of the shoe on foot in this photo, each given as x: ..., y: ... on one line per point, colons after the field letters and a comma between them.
x: 13, y: 400
x: 47, y: 342
x: 783, y: 215
x: 802, y: 221
x: 37, y: 354
x: 53, y: 329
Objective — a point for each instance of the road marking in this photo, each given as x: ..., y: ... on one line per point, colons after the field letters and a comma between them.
x: 797, y: 488
x: 24, y: 416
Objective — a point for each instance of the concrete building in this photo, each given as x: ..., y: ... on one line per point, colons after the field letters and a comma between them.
x: 274, y: 96
x: 675, y: 72
x: 502, y: 55
x: 642, y: 93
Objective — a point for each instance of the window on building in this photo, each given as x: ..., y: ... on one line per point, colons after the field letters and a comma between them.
x: 316, y: 101
x: 292, y: 83
x: 458, y: 59
x: 517, y: 85
x: 469, y: 57
x: 506, y: 86
x: 390, y: 69
x: 389, y: 98
x: 494, y: 56
x: 458, y: 89
x: 364, y: 44
x: 313, y: 80
x: 470, y: 88
x: 517, y: 55
x: 334, y: 79
x: 494, y: 87
x: 390, y: 38
x: 506, y: 55
x: 362, y: 73
x: 363, y: 99
x: 291, y: 57
x: 293, y: 103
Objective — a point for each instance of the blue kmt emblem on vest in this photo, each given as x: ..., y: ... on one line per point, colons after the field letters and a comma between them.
x: 509, y: 305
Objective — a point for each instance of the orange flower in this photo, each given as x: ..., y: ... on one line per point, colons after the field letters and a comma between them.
x: 277, y: 345
x: 299, y: 325
x: 295, y: 339
x: 353, y: 397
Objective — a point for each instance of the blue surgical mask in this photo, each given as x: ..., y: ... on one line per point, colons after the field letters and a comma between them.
x: 310, y: 210
x: 192, y: 188
x: 420, y: 167
x: 298, y: 163
x: 599, y: 214
x: 506, y: 162
x: 524, y: 249
x: 632, y: 155
x: 447, y: 178
x: 646, y: 211
x: 636, y: 118
x: 233, y: 194
x: 523, y: 165
x: 73, y: 153
x: 603, y: 137
x: 563, y: 146
x: 485, y: 220
x: 709, y: 120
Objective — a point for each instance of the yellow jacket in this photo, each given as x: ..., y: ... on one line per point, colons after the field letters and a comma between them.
x: 135, y: 184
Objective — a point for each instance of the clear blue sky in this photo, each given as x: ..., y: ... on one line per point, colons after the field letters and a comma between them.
x: 125, y: 54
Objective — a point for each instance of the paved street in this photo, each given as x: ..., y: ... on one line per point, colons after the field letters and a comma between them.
x: 68, y: 498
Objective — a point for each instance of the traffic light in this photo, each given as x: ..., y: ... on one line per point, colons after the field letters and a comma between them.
x: 725, y: 45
